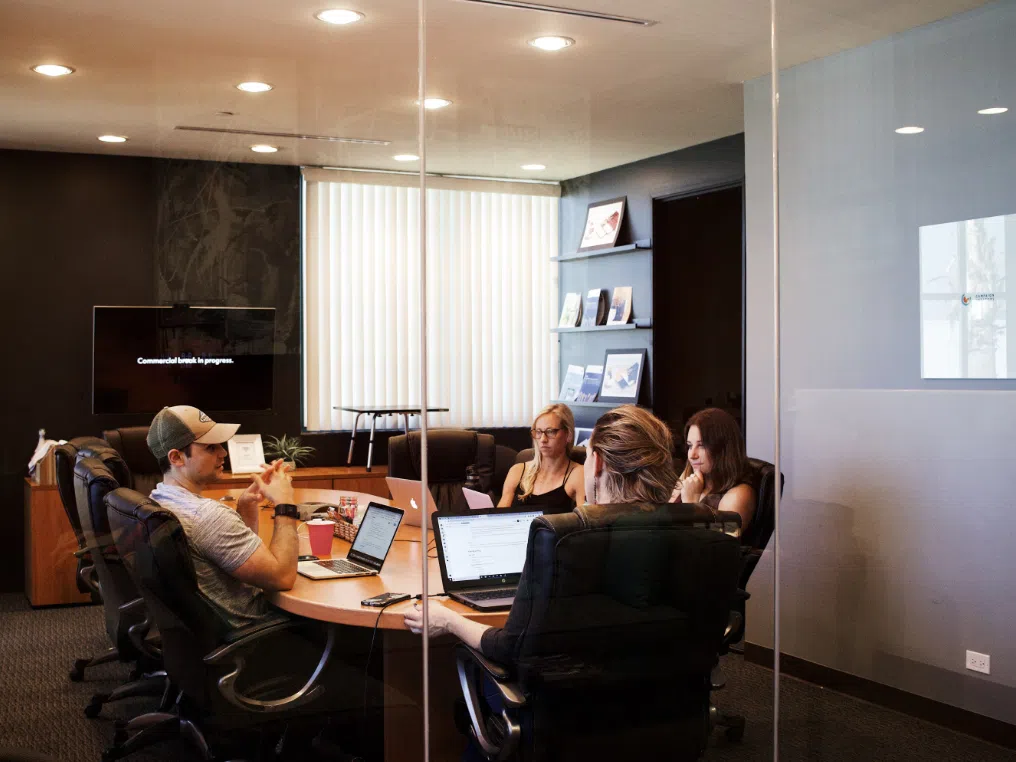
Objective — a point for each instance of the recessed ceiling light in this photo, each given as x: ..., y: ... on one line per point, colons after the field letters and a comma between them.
x: 533, y: 167
x: 435, y: 103
x: 909, y: 130
x: 262, y: 148
x: 552, y: 43
x: 406, y: 157
x: 993, y: 110
x: 112, y: 138
x: 254, y: 87
x: 339, y: 16
x: 53, y: 70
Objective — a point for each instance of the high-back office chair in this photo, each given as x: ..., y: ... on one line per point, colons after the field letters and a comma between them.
x: 753, y: 544
x: 127, y: 623
x: 454, y: 455
x: 65, y: 456
x: 578, y: 454
x: 132, y: 444
x: 624, y: 608
x: 209, y: 663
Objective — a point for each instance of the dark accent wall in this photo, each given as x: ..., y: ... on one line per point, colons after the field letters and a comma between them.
x: 709, y: 165
x: 79, y: 230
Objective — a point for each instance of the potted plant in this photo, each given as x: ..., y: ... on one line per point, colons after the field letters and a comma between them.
x: 290, y: 449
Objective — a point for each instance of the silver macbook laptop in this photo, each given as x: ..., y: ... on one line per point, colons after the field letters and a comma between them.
x: 367, y: 554
x: 482, y: 554
x: 407, y: 494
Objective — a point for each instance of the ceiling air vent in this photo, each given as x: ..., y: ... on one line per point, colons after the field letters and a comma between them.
x: 565, y: 11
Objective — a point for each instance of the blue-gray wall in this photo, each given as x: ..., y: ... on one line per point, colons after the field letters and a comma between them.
x: 899, y: 503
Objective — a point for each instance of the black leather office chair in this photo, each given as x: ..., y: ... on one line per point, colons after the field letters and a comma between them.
x: 127, y: 624
x: 455, y: 456
x: 131, y: 442
x: 753, y: 544
x: 226, y: 678
x: 578, y: 454
x: 623, y: 610
x: 65, y: 456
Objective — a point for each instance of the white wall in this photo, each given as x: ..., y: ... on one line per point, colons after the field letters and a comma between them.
x: 900, y: 492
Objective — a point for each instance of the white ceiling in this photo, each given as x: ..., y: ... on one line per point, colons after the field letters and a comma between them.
x: 622, y: 93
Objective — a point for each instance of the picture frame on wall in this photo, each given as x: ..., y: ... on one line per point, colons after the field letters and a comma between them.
x: 603, y: 224
x: 622, y: 375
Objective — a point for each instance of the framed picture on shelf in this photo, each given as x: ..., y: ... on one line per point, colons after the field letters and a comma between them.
x: 622, y: 375
x: 246, y: 453
x: 582, y: 436
x: 603, y: 224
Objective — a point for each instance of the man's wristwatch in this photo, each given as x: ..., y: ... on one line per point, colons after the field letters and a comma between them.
x: 286, y: 509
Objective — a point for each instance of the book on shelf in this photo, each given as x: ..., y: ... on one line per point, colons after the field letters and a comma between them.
x: 590, y: 383
x: 571, y: 311
x: 572, y: 383
x: 620, y: 306
x: 594, y: 310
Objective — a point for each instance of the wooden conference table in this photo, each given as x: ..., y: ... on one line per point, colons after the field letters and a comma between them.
x: 338, y: 601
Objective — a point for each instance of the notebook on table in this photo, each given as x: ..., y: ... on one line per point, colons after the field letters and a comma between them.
x: 482, y: 554
x: 368, y: 552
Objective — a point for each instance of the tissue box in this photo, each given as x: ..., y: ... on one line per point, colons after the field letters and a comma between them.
x: 44, y: 472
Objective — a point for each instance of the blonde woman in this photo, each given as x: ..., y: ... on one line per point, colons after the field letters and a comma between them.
x: 551, y: 481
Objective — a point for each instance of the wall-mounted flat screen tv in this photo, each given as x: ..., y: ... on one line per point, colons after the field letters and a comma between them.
x: 214, y: 358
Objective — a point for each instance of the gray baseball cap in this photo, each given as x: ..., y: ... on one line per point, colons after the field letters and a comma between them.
x: 173, y: 428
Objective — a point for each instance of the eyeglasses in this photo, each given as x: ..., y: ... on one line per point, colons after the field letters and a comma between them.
x: 538, y: 433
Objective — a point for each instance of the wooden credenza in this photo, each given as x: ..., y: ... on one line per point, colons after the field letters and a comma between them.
x: 348, y: 478
x: 50, y: 565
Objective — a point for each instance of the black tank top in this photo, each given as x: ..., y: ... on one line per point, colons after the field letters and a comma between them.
x: 555, y: 501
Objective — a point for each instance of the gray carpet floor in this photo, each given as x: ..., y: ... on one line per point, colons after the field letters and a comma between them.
x: 41, y: 709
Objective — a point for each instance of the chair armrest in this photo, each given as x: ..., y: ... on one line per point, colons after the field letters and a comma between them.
x: 138, y: 632
x: 469, y: 662
x: 236, y: 649
x: 88, y: 579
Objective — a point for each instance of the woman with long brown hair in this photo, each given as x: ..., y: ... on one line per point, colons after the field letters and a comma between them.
x: 551, y: 481
x: 717, y: 471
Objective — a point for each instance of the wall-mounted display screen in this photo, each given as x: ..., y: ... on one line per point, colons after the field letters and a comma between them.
x: 215, y: 358
x: 963, y: 298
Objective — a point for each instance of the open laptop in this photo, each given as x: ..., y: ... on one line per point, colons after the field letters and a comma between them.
x: 367, y: 554
x: 476, y: 499
x: 407, y: 494
x: 482, y: 554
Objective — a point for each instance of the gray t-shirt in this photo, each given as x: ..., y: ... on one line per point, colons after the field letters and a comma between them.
x: 219, y: 544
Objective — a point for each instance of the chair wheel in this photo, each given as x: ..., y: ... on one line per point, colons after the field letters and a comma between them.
x: 735, y: 731
x: 78, y: 673
x: 93, y: 709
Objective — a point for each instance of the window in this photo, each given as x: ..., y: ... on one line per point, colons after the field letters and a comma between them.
x: 491, y: 298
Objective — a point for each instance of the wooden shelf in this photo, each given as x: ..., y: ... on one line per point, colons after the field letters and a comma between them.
x: 644, y: 245
x: 625, y: 327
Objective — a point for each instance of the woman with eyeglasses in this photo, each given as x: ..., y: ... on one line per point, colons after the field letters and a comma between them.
x: 551, y: 481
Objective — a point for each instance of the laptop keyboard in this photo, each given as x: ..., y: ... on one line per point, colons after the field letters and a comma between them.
x: 341, y: 566
x: 490, y: 595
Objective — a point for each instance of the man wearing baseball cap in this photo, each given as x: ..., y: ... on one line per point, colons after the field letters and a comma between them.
x: 233, y: 565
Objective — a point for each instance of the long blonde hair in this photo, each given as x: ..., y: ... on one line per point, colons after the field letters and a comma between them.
x: 635, y: 448
x: 529, y: 473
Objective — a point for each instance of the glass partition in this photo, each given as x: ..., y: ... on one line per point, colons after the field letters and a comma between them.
x: 585, y: 173
x: 896, y: 390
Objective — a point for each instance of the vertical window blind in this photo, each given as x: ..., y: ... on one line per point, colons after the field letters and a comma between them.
x: 491, y: 302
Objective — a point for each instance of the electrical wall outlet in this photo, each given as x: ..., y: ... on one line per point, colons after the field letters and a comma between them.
x: 979, y: 662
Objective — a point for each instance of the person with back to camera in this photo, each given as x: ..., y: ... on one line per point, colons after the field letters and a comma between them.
x: 717, y: 471
x: 551, y: 481
x: 232, y: 564
x: 628, y: 460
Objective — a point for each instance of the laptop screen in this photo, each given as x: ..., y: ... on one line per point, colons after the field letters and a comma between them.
x: 375, y: 535
x: 487, y: 546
